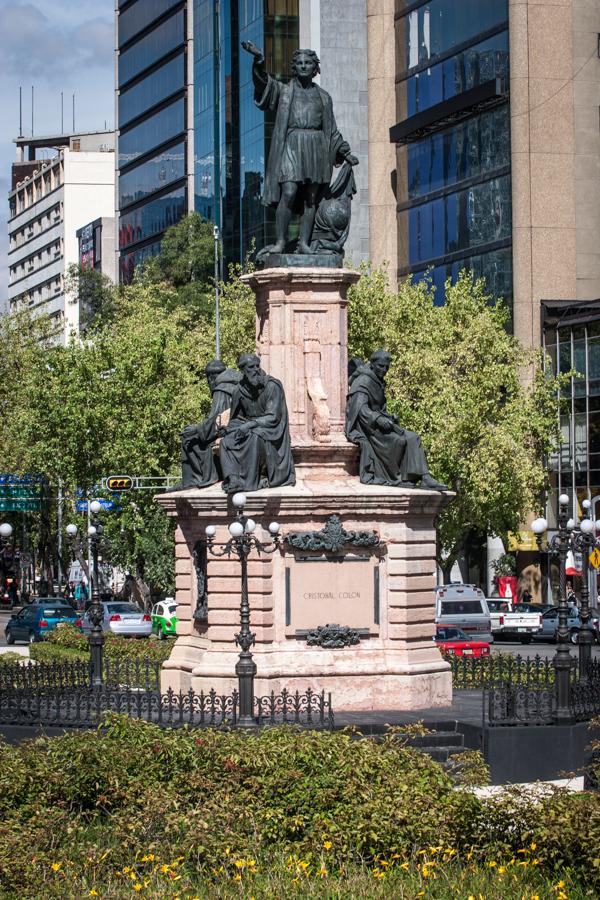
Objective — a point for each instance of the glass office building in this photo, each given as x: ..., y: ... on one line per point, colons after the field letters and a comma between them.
x: 571, y: 337
x: 152, y: 120
x: 231, y: 134
x: 453, y: 137
x: 159, y: 118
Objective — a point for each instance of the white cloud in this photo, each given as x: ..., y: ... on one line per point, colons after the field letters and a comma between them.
x: 35, y: 45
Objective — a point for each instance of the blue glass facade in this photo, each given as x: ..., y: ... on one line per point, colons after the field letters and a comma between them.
x: 454, y: 184
x: 152, y: 119
x: 231, y: 135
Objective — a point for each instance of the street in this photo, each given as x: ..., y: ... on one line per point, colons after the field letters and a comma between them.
x: 536, y: 648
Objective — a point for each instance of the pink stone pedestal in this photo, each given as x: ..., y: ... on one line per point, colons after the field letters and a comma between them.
x: 396, y: 667
x: 386, y: 593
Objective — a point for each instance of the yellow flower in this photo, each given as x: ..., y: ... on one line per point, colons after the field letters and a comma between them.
x: 237, y: 877
x: 535, y: 862
x: 492, y: 864
x: 404, y: 865
x: 164, y: 868
x: 533, y: 846
x: 535, y: 897
x: 378, y: 874
x: 55, y: 866
x: 561, y: 896
x: 303, y: 864
x: 126, y: 870
x: 560, y: 884
x: 327, y: 845
x: 239, y: 863
x: 93, y: 893
x: 425, y: 871
x: 137, y: 887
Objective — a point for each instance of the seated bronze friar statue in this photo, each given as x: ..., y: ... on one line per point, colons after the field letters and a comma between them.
x: 389, y: 454
x: 199, y: 463
x: 255, y: 450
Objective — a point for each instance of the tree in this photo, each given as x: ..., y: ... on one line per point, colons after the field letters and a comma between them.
x: 483, y: 405
x: 186, y: 264
x: 114, y: 403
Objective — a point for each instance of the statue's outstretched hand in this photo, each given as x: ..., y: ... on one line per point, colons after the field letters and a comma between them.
x: 249, y: 47
x: 353, y: 160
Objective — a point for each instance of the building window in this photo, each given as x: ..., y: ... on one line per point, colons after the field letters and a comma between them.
x: 149, y: 49
x: 153, y: 89
x: 152, y: 218
x: 155, y: 130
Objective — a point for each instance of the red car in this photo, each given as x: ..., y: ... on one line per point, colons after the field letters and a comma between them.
x: 456, y: 643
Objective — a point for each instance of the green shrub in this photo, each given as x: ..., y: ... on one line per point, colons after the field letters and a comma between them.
x: 281, y: 813
x: 67, y: 642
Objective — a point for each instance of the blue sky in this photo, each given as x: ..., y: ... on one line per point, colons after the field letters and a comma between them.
x: 54, y: 45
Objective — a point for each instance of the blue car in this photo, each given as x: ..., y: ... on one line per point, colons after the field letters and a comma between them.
x: 34, y: 622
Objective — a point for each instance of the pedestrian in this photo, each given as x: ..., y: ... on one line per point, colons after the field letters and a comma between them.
x: 13, y: 595
x: 526, y: 596
x: 571, y: 595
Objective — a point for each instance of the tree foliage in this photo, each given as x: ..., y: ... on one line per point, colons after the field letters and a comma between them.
x: 115, y: 403
x: 484, y: 407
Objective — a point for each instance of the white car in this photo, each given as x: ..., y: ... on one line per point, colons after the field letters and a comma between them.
x: 123, y: 618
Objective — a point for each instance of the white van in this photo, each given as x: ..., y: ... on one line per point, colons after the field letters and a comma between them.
x: 463, y: 606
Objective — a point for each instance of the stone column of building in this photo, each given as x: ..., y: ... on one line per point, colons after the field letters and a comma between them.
x: 381, y: 61
x: 542, y: 160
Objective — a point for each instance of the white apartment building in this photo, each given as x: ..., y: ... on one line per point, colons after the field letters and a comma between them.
x: 51, y: 199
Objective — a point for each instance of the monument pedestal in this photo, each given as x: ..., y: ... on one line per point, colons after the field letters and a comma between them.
x: 381, y: 588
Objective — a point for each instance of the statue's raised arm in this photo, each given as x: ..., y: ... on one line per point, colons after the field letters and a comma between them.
x: 305, y: 146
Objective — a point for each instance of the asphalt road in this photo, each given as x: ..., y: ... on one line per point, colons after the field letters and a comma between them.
x: 526, y: 650
x: 536, y: 648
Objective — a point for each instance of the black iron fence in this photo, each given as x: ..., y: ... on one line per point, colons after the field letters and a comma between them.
x: 469, y: 673
x: 61, y: 694
x: 522, y: 691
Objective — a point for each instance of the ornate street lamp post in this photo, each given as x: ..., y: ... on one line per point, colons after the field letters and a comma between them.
x: 95, y: 612
x: 584, y: 541
x: 559, y: 546
x: 241, y: 543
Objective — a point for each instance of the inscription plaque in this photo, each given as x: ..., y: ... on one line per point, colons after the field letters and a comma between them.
x: 322, y: 590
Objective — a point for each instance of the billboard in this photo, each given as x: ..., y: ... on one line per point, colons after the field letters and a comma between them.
x: 21, y: 493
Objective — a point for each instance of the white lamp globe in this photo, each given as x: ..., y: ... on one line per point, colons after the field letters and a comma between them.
x: 564, y: 499
x: 6, y: 529
x: 586, y: 504
x: 236, y: 529
x: 210, y: 531
x: 250, y: 526
x: 539, y: 526
x: 587, y: 526
x: 71, y: 530
x: 92, y: 530
x: 274, y: 527
x: 95, y: 507
x: 239, y: 499
x: 570, y: 524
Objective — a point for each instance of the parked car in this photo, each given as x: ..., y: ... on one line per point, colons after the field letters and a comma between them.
x: 34, y: 622
x: 123, y: 618
x: 455, y: 642
x: 514, y: 622
x: 164, y: 618
x: 463, y: 606
x: 550, y: 624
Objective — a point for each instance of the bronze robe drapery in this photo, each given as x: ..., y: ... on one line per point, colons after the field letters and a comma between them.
x: 393, y: 458
x: 263, y: 456
x: 198, y: 462
x: 273, y: 95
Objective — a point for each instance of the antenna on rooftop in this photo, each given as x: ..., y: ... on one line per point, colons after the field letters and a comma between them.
x: 31, y: 110
x: 73, y: 113
x: 62, y: 113
x: 20, y: 111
